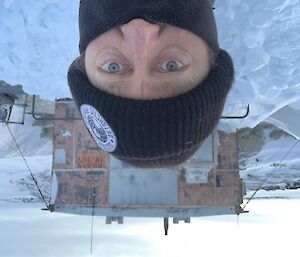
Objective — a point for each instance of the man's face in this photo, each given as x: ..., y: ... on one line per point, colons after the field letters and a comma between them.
x: 141, y: 60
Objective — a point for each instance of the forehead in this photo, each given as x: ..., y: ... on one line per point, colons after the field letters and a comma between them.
x: 167, y: 32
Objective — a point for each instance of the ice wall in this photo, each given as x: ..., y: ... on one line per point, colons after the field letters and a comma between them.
x: 39, y: 40
x: 263, y: 38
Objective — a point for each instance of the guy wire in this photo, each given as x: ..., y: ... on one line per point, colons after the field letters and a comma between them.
x: 33, y: 178
x: 268, y: 176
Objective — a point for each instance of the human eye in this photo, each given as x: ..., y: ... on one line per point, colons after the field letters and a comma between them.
x: 112, y: 67
x: 171, y: 66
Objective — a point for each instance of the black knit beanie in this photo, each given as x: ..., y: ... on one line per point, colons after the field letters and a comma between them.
x: 151, y: 133
x: 99, y: 16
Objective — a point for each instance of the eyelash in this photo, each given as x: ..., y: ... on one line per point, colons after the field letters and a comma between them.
x: 125, y: 67
x: 181, y: 66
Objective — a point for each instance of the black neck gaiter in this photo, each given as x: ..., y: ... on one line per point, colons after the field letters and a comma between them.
x: 151, y: 133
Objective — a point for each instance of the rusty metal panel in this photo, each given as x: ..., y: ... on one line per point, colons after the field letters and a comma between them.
x: 223, y: 193
x: 66, y: 110
x: 196, y: 194
x: 228, y: 189
x: 63, y: 136
x: 94, y: 160
x: 228, y: 156
x: 77, y: 187
x: 63, y: 139
x: 88, y: 154
x: 72, y: 137
x: 84, y: 141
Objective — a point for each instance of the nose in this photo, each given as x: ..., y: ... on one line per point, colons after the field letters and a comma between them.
x: 140, y: 37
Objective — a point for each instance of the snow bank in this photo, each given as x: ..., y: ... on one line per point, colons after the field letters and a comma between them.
x: 29, y: 137
x: 262, y: 37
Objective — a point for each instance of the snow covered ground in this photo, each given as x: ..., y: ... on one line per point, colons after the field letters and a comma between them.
x: 39, y: 39
x: 276, y: 166
x: 270, y: 229
x: 28, y: 136
x: 16, y: 184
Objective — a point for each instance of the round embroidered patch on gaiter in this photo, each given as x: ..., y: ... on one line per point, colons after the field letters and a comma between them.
x: 99, y: 129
